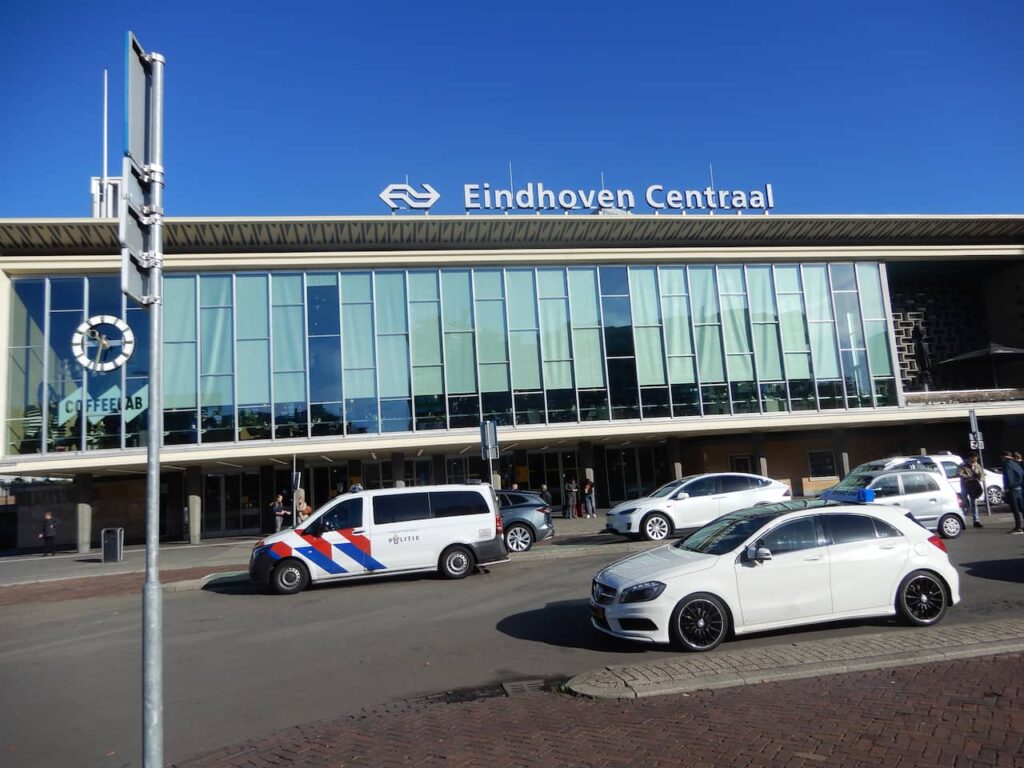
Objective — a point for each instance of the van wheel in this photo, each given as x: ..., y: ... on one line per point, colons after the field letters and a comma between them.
x: 950, y: 526
x: 655, y: 527
x: 289, y: 577
x: 456, y: 563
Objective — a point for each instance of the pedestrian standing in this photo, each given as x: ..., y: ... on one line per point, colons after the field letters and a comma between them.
x: 971, y: 487
x: 589, y: 509
x: 280, y: 513
x: 571, y: 492
x: 545, y: 494
x: 1013, y: 488
x: 49, y: 534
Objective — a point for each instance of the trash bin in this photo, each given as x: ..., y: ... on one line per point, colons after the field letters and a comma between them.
x: 112, y: 540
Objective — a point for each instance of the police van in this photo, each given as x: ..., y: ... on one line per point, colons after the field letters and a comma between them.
x: 446, y: 528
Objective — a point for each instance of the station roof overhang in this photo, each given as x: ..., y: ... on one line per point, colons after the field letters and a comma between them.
x: 324, y: 451
x: 348, y: 234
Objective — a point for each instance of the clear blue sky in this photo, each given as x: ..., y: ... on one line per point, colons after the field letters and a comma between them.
x: 299, y: 108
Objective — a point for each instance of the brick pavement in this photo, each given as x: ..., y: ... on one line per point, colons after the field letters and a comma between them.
x: 958, y: 713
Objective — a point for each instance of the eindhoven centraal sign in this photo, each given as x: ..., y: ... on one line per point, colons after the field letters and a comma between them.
x: 534, y: 196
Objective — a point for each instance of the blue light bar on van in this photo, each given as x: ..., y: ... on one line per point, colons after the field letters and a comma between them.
x: 861, y: 496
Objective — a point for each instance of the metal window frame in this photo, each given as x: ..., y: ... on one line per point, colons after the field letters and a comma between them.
x: 864, y: 335
x: 894, y: 359
x: 807, y: 328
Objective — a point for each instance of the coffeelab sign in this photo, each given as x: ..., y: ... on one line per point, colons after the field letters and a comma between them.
x: 534, y: 196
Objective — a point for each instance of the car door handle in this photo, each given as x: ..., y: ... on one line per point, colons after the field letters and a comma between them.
x: 358, y: 530
x: 811, y: 558
x: 887, y: 546
x: 933, y: 501
x: 718, y: 497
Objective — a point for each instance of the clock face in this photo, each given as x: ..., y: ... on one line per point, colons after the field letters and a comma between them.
x: 103, y: 343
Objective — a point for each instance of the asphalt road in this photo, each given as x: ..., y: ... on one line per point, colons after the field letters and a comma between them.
x: 240, y: 664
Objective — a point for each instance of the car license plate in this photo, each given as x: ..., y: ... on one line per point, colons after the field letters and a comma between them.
x: 598, y: 612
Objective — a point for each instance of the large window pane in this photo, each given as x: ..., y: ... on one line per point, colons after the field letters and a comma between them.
x: 823, y: 351
x: 324, y: 369
x: 288, y: 335
x: 179, y: 375
x: 791, y: 317
x: 390, y: 303
x: 851, y: 336
x: 767, y: 353
x: 253, y: 372
x: 643, y: 294
x: 583, y: 297
x: 677, y: 325
x: 551, y: 283
x: 870, y: 291
x: 816, y: 292
x: 179, y: 303
x: 426, y: 333
x: 709, y: 354
x: 554, y: 323
x: 216, y: 346
x: 735, y: 324
x: 650, y: 357
x: 460, y: 363
x: 703, y: 295
x: 457, y: 300
x: 762, y: 297
x: 588, y: 359
x: 357, y: 336
x: 878, y: 347
x: 490, y: 331
x: 522, y: 296
x: 525, y: 360
x: 618, y: 327
x: 322, y: 304
x: 254, y: 319
x: 394, y: 355
x: 488, y: 284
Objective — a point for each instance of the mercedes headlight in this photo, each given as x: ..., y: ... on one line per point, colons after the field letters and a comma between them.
x: 641, y: 593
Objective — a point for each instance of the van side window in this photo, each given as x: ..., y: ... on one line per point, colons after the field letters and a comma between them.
x: 348, y: 514
x: 457, y: 503
x: 400, y: 508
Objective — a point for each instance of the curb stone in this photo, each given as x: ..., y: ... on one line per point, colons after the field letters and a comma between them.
x: 804, y: 659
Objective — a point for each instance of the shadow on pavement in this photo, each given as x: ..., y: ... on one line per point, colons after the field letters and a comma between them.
x: 997, y: 570
x: 565, y: 623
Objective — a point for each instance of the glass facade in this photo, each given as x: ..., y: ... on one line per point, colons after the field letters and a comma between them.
x: 277, y: 355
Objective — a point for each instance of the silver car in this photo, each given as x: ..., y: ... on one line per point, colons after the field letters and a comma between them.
x: 525, y: 518
x: 932, y: 502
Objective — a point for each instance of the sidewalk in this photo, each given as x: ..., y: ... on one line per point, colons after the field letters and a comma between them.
x: 958, y: 713
x: 33, y: 578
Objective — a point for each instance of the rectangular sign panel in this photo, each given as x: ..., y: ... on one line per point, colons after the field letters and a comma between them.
x: 136, y: 107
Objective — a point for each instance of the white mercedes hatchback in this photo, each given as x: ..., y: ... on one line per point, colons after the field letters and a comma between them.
x: 782, y: 565
x: 692, y: 502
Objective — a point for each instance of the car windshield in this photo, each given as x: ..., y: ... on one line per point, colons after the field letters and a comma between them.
x: 870, y: 466
x: 668, y: 488
x: 723, y: 535
x: 854, y: 482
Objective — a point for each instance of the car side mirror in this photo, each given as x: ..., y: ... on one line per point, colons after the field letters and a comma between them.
x: 680, y: 495
x: 758, y: 554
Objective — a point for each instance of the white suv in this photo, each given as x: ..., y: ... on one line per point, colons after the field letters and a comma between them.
x: 944, y: 463
x: 692, y: 502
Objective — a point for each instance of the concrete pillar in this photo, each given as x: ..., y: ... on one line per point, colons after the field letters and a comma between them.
x: 675, y: 458
x: 440, y: 470
x: 586, y: 454
x: 83, y: 511
x: 194, y: 496
x: 841, y: 451
x: 521, y: 466
x: 760, y: 460
x: 398, y: 469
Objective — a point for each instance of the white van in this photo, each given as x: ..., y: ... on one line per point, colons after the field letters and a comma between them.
x: 446, y: 528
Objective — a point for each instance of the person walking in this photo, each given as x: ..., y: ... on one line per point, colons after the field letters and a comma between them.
x: 1013, y: 483
x: 280, y: 513
x: 971, y: 487
x: 49, y: 534
x: 571, y: 492
x: 589, y: 509
x: 545, y: 494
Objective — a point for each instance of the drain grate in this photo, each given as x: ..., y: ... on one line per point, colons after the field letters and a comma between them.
x: 523, y: 687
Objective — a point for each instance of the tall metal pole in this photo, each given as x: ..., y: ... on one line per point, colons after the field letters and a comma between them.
x: 152, y: 592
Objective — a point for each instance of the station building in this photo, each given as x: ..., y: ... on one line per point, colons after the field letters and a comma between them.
x: 632, y: 349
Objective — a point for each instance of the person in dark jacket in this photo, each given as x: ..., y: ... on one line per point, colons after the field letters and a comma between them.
x: 545, y: 494
x: 971, y: 487
x: 49, y: 534
x: 1013, y: 481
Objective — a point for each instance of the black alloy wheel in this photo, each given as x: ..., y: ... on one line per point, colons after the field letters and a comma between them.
x: 699, y: 622
x: 922, y: 598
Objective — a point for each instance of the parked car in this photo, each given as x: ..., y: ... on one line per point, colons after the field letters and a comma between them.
x: 445, y: 528
x: 525, y: 518
x: 782, y: 565
x: 944, y: 463
x: 926, y: 496
x: 692, y: 502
